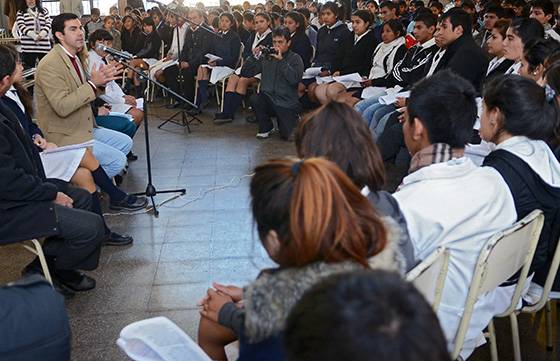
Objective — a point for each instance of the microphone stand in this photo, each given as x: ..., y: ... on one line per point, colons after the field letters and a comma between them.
x: 180, y: 80
x: 150, y: 188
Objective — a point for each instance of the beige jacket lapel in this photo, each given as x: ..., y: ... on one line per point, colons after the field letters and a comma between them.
x: 66, y: 60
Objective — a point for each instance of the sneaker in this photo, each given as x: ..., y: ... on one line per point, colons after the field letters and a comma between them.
x: 264, y: 135
x: 129, y: 203
x: 79, y: 282
x: 115, y: 239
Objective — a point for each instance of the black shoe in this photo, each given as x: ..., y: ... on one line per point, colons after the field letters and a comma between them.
x: 78, y: 283
x: 131, y: 156
x: 115, y: 239
x: 251, y: 119
x: 118, y: 179
x: 128, y: 204
x: 221, y: 118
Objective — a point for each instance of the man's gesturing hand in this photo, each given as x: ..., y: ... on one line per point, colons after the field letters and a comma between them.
x: 103, y: 74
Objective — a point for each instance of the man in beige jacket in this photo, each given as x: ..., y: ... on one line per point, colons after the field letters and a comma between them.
x: 64, y: 93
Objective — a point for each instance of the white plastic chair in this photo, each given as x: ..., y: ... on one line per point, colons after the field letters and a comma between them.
x: 546, y: 297
x: 37, y: 250
x: 429, y: 276
x: 504, y: 255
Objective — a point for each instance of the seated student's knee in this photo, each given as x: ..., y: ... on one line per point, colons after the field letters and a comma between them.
x: 81, y: 197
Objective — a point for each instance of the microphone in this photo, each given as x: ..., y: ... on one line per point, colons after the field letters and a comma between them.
x: 114, y: 52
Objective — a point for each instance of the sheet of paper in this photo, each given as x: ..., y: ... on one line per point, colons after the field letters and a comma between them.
x: 219, y: 73
x: 238, y: 71
x: 70, y: 147
x: 392, y: 98
x: 140, y: 103
x: 373, y: 91
x: 324, y: 79
x: 212, y: 57
x: 63, y: 164
x: 348, y: 78
x: 158, y: 339
x: 311, y: 73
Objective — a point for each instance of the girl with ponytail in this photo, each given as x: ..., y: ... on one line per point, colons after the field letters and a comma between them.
x: 313, y: 222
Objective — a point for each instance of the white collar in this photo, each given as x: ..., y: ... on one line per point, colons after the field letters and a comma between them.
x: 358, y: 38
x: 338, y: 22
x: 12, y: 94
x: 454, y: 168
x: 428, y: 43
x: 263, y: 35
x: 67, y: 52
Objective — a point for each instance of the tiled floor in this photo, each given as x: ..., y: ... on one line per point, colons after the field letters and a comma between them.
x: 200, y: 237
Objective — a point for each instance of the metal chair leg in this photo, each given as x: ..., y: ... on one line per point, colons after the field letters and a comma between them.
x: 492, y: 339
x: 548, y: 321
x: 38, y: 251
x: 515, y: 337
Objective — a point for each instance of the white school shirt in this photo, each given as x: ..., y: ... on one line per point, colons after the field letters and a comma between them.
x: 514, y: 68
x: 12, y: 94
x: 494, y: 63
x: 457, y: 205
x: 259, y: 38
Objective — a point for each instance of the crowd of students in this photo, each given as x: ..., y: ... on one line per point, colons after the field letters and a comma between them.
x: 476, y: 121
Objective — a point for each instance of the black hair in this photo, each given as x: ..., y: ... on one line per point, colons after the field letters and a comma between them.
x: 364, y: 315
x: 264, y: 16
x: 524, y: 105
x: 396, y: 27
x: 249, y: 16
x: 57, y: 24
x: 335, y: 8
x: 276, y: 16
x: 428, y: 18
x: 149, y: 21
x: 494, y: 9
x: 545, y: 5
x: 276, y: 9
x: 7, y: 61
x: 527, y: 29
x: 365, y: 15
x: 372, y: 2
x: 389, y: 5
x: 445, y: 104
x: 536, y: 51
x: 437, y: 5
x: 98, y: 35
x: 231, y: 19
x: 459, y: 17
x: 299, y: 19
x: 305, y: 12
x: 469, y: 4
x: 22, y: 6
x: 283, y: 32
x: 418, y: 4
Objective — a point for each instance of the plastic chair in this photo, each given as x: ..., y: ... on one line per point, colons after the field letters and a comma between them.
x: 429, y: 276
x: 37, y: 250
x: 504, y: 255
x: 546, y: 297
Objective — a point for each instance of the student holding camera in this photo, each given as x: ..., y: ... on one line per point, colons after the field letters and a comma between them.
x: 281, y: 71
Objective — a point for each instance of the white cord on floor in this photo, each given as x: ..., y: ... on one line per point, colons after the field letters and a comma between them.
x: 235, y: 181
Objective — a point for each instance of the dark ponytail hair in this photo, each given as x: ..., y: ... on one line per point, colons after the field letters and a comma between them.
x: 525, y: 106
x: 536, y: 51
x: 299, y: 19
x: 527, y: 29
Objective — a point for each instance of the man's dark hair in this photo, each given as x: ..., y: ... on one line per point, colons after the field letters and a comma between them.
x: 389, y: 5
x: 459, y: 17
x: 545, y: 5
x: 494, y: 9
x: 58, y: 22
x: 99, y: 35
x: 428, y: 18
x: 445, y: 104
x: 283, y: 32
x: 7, y: 61
x: 527, y: 29
x: 364, y: 315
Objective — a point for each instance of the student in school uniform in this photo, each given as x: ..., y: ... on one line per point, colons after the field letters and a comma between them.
x: 237, y: 84
x: 446, y: 199
x: 357, y: 56
x: 226, y: 47
x: 300, y: 44
x: 535, y: 54
x: 495, y: 46
x: 149, y: 53
x: 310, y: 31
x: 332, y: 41
x: 519, y: 33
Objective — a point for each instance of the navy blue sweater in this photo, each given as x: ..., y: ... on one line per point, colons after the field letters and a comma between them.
x: 330, y: 42
x: 227, y: 47
x: 301, y: 45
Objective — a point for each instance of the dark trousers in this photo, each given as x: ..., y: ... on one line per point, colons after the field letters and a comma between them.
x: 33, y: 322
x: 30, y: 59
x: 81, y: 232
x: 391, y: 141
x: 264, y: 108
x: 187, y: 77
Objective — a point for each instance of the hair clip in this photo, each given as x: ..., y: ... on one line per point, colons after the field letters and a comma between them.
x: 549, y: 93
x: 295, y: 167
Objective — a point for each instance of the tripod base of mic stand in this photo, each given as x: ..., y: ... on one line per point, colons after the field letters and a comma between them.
x: 151, y: 192
x: 183, y: 122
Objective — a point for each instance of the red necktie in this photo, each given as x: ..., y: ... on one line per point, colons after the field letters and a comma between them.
x: 75, y: 63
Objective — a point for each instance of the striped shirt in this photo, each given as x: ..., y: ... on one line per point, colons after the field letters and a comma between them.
x: 30, y: 24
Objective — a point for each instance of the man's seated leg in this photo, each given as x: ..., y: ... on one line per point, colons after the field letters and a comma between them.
x: 119, y: 123
x: 287, y: 121
x: 391, y: 140
x: 76, y: 247
x: 26, y: 307
x: 263, y: 108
